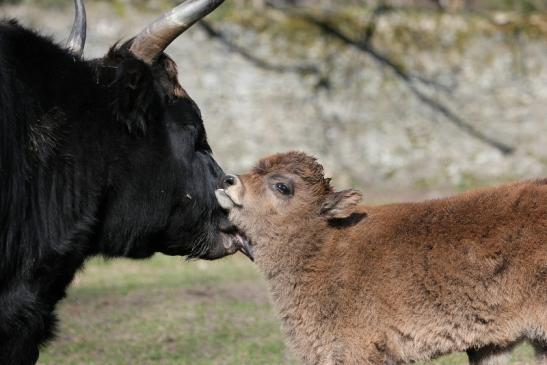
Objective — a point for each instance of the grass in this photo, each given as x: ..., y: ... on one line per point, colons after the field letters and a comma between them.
x: 167, y: 311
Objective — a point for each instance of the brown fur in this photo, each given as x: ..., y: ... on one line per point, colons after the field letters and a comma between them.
x: 391, y: 284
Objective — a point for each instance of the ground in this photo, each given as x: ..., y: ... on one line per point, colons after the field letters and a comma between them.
x: 168, y: 311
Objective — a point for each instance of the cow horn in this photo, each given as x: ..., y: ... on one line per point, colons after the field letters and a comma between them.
x: 76, y: 40
x: 155, y: 38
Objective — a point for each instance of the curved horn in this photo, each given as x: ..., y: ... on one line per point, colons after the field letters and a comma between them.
x: 76, y: 40
x: 155, y: 38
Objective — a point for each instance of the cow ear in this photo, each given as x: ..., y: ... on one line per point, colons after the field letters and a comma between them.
x: 340, y: 204
x: 133, y: 94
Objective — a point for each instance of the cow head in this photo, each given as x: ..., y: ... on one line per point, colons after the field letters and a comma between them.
x: 162, y: 175
x: 283, y: 190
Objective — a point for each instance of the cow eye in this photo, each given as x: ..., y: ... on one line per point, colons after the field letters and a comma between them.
x: 282, y: 188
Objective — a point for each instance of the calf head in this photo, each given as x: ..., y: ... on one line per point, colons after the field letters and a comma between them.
x: 281, y: 191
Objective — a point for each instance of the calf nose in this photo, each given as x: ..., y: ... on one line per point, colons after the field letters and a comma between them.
x: 229, y: 180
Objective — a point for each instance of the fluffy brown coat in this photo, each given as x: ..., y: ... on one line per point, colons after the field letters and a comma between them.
x: 396, y: 283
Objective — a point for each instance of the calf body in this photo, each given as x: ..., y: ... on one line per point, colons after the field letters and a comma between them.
x: 396, y: 283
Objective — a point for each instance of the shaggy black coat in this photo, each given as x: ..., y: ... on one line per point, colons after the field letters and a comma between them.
x: 105, y: 157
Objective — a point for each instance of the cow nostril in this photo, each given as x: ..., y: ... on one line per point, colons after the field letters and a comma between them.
x: 228, y: 180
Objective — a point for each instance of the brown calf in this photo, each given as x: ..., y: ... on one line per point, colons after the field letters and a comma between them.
x: 396, y: 283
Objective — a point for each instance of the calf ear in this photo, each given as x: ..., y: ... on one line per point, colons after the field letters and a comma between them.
x: 340, y: 204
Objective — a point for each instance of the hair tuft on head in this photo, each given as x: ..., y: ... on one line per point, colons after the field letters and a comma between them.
x: 297, y: 163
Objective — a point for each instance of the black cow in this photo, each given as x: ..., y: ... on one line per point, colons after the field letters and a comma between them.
x: 102, y: 157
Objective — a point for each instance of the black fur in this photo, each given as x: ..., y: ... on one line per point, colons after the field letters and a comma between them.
x: 97, y: 157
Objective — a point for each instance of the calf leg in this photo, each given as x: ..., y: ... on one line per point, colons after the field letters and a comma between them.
x: 355, y: 353
x: 490, y: 355
x: 541, y: 352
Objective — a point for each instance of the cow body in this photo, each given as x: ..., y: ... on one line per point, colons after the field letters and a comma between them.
x: 105, y: 157
x: 398, y: 283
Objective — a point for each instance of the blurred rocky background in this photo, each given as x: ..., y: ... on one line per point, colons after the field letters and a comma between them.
x: 392, y: 96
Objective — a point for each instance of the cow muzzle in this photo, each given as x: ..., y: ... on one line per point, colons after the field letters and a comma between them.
x: 235, y: 240
x: 228, y: 195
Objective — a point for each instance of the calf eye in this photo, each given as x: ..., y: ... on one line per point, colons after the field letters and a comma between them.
x: 283, y: 188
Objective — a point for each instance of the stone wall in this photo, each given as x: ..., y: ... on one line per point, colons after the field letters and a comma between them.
x: 424, y: 109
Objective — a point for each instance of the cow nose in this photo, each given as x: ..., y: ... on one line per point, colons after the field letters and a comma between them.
x: 229, y: 180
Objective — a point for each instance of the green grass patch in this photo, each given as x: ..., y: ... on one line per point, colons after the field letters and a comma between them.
x: 169, y: 311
